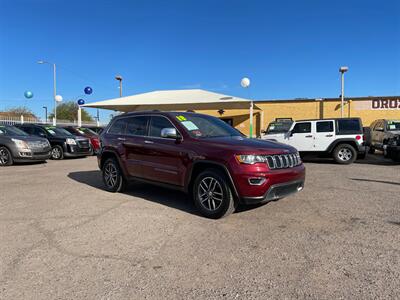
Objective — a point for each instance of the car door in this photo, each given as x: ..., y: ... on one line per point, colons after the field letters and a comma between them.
x: 378, y: 134
x: 324, y: 135
x: 132, y: 143
x: 163, y: 158
x: 301, y: 136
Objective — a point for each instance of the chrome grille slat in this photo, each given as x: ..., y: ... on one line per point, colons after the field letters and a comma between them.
x: 282, y: 161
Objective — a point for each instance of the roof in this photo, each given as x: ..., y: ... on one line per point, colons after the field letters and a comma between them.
x: 358, y: 98
x: 171, y: 100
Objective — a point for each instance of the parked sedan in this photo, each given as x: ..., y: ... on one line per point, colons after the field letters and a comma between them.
x: 18, y: 146
x: 88, y: 133
x: 63, y: 143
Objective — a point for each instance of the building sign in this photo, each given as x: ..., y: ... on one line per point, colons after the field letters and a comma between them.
x: 377, y: 104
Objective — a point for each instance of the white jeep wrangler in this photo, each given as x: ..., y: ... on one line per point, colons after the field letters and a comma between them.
x: 342, y: 138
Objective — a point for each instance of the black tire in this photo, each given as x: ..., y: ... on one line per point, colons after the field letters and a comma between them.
x: 371, y: 150
x: 5, y: 157
x: 57, y: 152
x: 218, y: 201
x: 113, y: 178
x: 344, y: 154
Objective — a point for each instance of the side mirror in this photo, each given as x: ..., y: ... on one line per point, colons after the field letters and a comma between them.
x: 263, y: 131
x: 169, y: 133
x: 290, y: 133
x: 41, y: 134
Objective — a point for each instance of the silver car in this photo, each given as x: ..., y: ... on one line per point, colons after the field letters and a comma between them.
x: 18, y: 146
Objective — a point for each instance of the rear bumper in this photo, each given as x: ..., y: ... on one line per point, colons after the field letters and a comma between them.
x: 276, y: 191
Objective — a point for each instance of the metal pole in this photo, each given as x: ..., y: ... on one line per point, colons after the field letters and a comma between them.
x: 342, y: 96
x: 251, y: 119
x: 45, y: 109
x: 120, y: 88
x: 55, y: 92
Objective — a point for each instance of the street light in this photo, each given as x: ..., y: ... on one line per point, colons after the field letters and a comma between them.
x: 45, y: 113
x: 54, y: 85
x: 342, y: 70
x: 119, y: 78
x: 245, y: 83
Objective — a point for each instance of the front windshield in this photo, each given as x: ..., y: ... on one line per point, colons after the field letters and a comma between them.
x: 57, y: 131
x: 393, y: 125
x: 201, y: 126
x: 279, y: 127
x: 6, y: 130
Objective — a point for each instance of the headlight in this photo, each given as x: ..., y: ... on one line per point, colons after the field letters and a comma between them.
x: 71, y: 142
x: 20, y: 144
x: 250, y: 159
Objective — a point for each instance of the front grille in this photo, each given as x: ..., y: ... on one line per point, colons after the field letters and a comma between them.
x: 83, y: 144
x: 283, y: 161
x: 38, y: 145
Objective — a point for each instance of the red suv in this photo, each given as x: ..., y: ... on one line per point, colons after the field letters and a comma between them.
x: 200, y: 155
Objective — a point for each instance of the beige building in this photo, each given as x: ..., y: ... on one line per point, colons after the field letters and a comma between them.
x: 235, y: 110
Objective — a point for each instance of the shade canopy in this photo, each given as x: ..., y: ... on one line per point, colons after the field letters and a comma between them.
x: 172, y: 100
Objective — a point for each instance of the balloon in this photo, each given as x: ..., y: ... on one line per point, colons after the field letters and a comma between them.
x: 28, y: 94
x: 58, y: 98
x: 88, y: 90
x: 81, y: 102
x: 245, y: 82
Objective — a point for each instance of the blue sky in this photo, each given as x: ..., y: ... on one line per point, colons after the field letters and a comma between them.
x: 288, y: 48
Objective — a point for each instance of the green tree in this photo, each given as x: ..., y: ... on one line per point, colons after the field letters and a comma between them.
x: 20, y: 110
x: 69, y: 111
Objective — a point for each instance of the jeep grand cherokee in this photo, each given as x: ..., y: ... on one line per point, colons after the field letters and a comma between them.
x: 200, y: 155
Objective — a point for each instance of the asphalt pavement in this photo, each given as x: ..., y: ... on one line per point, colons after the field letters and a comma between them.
x: 63, y: 237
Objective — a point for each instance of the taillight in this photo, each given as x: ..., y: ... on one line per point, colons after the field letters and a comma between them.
x: 358, y: 137
x: 364, y: 138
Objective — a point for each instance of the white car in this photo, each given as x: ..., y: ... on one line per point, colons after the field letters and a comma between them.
x: 342, y: 139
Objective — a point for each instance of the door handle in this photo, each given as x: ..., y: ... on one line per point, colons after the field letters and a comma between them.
x: 308, y: 136
x: 121, y: 139
x: 148, y: 142
x: 329, y: 135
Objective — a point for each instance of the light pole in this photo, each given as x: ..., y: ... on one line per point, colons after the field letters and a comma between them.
x: 119, y: 78
x: 342, y: 70
x: 54, y: 85
x: 45, y: 113
x: 245, y: 82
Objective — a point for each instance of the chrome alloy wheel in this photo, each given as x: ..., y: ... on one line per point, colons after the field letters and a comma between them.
x: 345, y: 154
x: 110, y: 175
x: 210, y: 193
x: 55, y: 153
x: 4, y: 157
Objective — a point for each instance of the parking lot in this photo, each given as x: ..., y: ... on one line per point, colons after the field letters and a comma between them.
x: 63, y: 237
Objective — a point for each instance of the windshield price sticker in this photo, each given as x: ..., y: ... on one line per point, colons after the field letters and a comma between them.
x: 190, y: 125
x: 181, y: 118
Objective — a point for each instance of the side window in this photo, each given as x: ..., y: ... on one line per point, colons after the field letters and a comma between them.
x: 137, y: 125
x: 349, y: 126
x: 302, y: 128
x: 37, y: 131
x: 118, y: 127
x: 157, y: 124
x: 325, y: 126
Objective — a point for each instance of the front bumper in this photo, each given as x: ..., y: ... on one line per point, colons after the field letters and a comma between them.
x: 25, y: 156
x: 276, y: 191
x: 75, y: 151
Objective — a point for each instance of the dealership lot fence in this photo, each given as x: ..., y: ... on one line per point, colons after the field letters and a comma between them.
x: 12, y: 120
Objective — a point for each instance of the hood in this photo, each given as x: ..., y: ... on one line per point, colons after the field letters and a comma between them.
x: 248, y: 145
x: 28, y: 138
x: 394, y: 132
